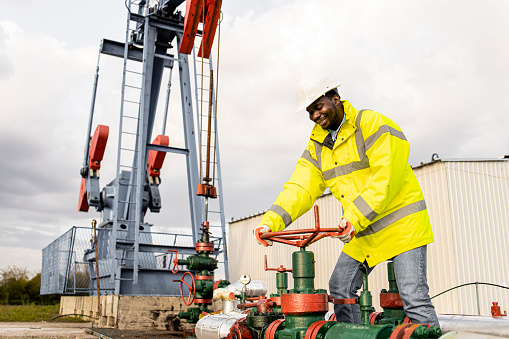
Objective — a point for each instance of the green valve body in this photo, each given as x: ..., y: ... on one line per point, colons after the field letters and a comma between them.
x: 200, y: 262
x: 357, y: 331
x: 192, y: 315
x: 299, y: 315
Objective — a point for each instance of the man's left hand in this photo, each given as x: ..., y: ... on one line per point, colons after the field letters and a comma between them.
x: 347, y: 231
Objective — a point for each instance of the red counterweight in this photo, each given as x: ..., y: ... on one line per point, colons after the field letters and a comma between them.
x: 156, y: 158
x: 97, y: 146
x: 83, y: 203
x: 194, y: 15
x: 96, y: 150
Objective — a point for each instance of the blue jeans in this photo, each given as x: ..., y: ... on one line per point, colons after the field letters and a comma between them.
x: 410, y: 271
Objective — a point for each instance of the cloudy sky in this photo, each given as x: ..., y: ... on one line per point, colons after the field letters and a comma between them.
x: 438, y: 68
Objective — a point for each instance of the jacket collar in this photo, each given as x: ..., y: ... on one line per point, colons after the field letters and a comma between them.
x: 323, y: 136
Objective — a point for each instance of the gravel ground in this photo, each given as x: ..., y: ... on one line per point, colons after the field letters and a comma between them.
x: 44, y: 330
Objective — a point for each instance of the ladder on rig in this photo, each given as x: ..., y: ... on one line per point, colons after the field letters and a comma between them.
x: 132, y: 138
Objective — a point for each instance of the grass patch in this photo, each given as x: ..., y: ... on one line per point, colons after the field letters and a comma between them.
x: 31, y: 313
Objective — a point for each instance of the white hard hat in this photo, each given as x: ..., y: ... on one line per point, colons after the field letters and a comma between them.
x: 313, y: 86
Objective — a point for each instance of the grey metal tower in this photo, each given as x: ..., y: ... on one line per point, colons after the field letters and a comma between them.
x: 126, y: 257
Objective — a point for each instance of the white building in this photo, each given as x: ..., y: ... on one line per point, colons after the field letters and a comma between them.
x: 468, y: 203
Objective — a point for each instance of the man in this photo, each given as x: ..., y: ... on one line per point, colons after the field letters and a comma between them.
x: 362, y: 157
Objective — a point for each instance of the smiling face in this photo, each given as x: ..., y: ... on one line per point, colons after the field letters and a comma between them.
x: 326, y: 112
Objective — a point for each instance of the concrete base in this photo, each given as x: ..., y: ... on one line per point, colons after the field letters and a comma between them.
x: 130, y: 312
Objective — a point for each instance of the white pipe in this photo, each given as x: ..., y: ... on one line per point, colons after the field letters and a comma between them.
x: 497, y: 326
x: 465, y: 335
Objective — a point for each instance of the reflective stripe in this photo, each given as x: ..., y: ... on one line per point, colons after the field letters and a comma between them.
x: 363, y: 163
x: 345, y: 169
x: 365, y: 209
x: 359, y: 139
x: 318, y: 151
x: 306, y: 155
x: 382, y: 130
x: 287, y: 219
x: 393, y: 217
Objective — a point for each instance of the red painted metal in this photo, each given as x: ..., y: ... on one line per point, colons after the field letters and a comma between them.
x: 263, y: 306
x: 216, y: 284
x: 410, y: 330
x: 97, y: 146
x: 83, y: 201
x: 373, y: 316
x: 345, y: 301
x: 399, y: 331
x: 202, y: 301
x: 192, y: 289
x: 272, y: 328
x: 303, y: 303
x: 333, y: 317
x: 203, y: 277
x: 279, y: 269
x: 303, y: 237
x: 175, y: 267
x: 156, y: 158
x: 194, y: 14
x: 240, y: 330
x: 313, y: 330
x: 496, y: 312
x: 205, y: 246
x: 206, y: 190
x: 277, y: 300
x: 405, y: 331
x: 213, y: 12
x: 390, y: 300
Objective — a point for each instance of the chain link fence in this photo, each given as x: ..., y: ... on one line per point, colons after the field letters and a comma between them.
x: 68, y: 263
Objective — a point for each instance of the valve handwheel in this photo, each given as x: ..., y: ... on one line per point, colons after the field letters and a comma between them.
x: 192, y: 289
x: 301, y: 237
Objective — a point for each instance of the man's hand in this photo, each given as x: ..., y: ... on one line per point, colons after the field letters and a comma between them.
x: 347, y: 231
x: 257, y: 231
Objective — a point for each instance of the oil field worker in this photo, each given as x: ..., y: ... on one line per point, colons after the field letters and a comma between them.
x: 362, y: 157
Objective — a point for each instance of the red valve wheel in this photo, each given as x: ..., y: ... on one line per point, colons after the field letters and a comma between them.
x: 192, y: 289
x: 302, y: 237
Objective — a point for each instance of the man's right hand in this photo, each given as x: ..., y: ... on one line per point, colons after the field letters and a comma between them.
x: 257, y: 231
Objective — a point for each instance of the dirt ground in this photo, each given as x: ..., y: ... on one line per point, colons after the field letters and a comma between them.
x: 44, y: 330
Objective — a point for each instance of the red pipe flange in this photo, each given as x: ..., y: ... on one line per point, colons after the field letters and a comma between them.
x: 216, y: 284
x: 203, y: 277
x: 272, y: 328
x: 404, y: 331
x: 204, y: 247
x: 373, y: 317
x: 313, y: 330
x: 202, y: 301
x: 390, y: 300
x: 240, y: 330
x: 303, y: 303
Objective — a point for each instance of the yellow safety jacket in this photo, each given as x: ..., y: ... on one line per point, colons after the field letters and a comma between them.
x: 367, y: 170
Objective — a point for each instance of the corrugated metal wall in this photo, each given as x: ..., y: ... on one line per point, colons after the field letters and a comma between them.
x: 479, y: 198
x: 468, y: 204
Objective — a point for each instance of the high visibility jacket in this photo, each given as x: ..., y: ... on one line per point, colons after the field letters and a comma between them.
x: 367, y: 170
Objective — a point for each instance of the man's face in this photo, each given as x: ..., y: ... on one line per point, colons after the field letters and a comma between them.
x: 326, y: 112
